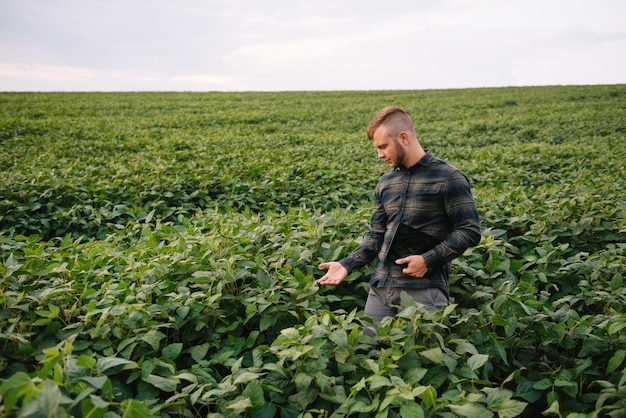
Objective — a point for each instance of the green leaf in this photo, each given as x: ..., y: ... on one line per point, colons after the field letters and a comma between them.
x: 477, y: 361
x: 291, y: 334
x: 543, y: 384
x: 464, y: 346
x: 302, y: 381
x: 15, y: 383
x: 617, y: 282
x: 254, y: 392
x: 511, y: 377
x: 86, y: 361
x: 414, y: 375
x: 289, y: 412
x: 342, y: 354
x: 511, y: 408
x: 54, y: 311
x: 98, y: 402
x: 411, y: 410
x: 163, y: 383
x: 499, y: 349
x: 339, y: 337
x: 172, y: 351
x: 199, y: 352
x: 434, y: 354
x: 500, y: 299
x: 304, y: 398
x: 96, y: 382
x: 277, y: 380
x: 553, y: 409
x: 245, y: 377
x: 153, y: 337
x: 49, y: 399
x: 564, y: 383
x: 132, y: 408
x: 379, y: 382
x: 496, y: 396
x: 268, y: 410
x: 14, y: 388
x: 615, y: 361
x: 471, y: 410
x: 239, y: 405
x: 364, y: 405
x: 190, y: 377
x: 150, y: 216
x: 11, y: 265
x: 448, y: 310
x: 406, y: 299
x: 616, y: 327
x: 429, y: 396
x: 105, y: 363
x: 569, y: 387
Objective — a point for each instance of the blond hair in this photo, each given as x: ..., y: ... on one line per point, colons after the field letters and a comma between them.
x: 392, y: 117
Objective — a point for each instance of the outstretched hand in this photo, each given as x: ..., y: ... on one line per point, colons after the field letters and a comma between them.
x: 335, y: 274
x: 415, y: 266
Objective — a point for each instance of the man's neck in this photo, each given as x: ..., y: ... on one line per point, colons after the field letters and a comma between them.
x: 413, y: 157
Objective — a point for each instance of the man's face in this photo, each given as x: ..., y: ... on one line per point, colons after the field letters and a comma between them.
x: 388, y: 148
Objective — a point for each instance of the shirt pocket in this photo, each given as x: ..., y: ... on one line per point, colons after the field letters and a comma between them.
x: 423, y: 200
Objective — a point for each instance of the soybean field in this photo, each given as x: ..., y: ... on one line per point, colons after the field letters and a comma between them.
x: 159, y: 251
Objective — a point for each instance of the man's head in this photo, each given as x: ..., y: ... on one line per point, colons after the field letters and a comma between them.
x: 393, y: 120
x: 393, y: 134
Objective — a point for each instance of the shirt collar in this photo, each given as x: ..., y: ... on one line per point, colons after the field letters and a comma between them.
x: 424, y: 162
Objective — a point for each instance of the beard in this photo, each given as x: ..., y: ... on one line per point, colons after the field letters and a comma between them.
x: 400, y: 155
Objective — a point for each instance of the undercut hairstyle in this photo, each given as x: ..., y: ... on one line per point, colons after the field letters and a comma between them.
x: 391, y: 117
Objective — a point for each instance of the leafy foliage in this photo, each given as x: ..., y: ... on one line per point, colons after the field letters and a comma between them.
x: 158, y: 256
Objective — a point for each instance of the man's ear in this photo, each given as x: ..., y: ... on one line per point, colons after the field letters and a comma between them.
x: 404, y: 138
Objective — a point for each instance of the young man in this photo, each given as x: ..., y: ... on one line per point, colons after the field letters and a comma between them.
x: 423, y: 195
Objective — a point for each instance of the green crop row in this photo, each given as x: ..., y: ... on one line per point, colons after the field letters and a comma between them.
x: 86, y: 164
x: 158, y: 256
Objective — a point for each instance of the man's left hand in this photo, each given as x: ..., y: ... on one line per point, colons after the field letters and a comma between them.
x: 415, y: 266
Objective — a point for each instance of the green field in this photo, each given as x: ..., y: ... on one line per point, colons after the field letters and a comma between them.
x: 158, y: 256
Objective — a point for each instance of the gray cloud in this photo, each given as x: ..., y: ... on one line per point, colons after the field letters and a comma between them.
x: 309, y: 45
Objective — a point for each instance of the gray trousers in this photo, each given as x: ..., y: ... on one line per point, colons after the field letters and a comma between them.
x: 385, y: 301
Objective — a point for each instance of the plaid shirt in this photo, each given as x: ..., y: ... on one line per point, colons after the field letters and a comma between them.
x: 434, y: 197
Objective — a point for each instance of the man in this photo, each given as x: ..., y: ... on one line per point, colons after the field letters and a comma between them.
x: 419, y: 193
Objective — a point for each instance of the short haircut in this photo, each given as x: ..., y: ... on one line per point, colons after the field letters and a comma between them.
x: 393, y: 117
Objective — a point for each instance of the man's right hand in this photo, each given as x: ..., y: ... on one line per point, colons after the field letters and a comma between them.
x: 335, y: 274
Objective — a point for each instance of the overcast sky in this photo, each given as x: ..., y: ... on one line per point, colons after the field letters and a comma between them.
x: 277, y: 45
